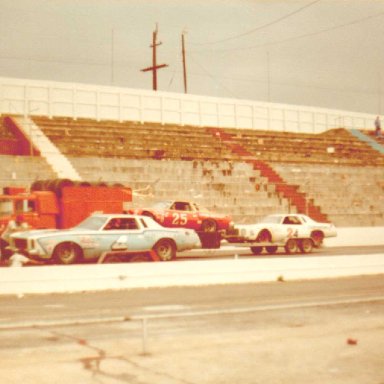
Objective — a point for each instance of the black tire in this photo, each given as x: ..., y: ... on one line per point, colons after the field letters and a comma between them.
x: 67, y: 253
x: 256, y: 250
x: 84, y: 184
x: 38, y: 185
x: 291, y: 246
x: 165, y: 250
x: 272, y: 249
x: 306, y: 245
x: 317, y: 238
x: 264, y: 236
x: 57, y: 185
x: 209, y: 225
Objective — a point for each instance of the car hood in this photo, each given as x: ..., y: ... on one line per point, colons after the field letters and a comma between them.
x: 254, y: 226
x: 45, y: 232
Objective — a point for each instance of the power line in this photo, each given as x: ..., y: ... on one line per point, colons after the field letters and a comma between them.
x: 357, y: 21
x: 262, y: 26
x: 213, y: 78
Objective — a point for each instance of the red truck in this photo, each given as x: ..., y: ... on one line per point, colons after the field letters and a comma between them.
x: 59, y: 203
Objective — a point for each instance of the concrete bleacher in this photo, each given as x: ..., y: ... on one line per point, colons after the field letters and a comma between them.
x: 22, y: 171
x: 242, y: 172
x: 19, y: 170
x: 130, y: 139
x: 336, y: 146
x: 222, y: 186
x: 350, y: 195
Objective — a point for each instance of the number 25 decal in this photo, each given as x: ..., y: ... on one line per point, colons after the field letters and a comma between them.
x: 179, y: 218
x: 292, y: 232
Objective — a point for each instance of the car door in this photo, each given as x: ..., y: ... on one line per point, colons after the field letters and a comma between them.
x: 180, y: 215
x: 292, y: 226
x: 127, y: 235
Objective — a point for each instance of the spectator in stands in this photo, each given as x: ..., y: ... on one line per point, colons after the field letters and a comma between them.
x: 378, y: 127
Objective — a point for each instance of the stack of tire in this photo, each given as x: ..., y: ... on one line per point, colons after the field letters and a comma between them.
x: 56, y: 185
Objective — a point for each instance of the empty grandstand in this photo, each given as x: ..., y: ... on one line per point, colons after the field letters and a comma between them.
x: 330, y: 172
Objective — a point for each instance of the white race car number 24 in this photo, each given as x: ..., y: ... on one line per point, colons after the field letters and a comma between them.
x: 292, y: 232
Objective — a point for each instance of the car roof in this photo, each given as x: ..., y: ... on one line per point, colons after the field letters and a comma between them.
x: 111, y: 215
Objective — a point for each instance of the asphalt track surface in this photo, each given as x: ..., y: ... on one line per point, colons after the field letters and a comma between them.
x: 230, y: 252
x: 318, y: 331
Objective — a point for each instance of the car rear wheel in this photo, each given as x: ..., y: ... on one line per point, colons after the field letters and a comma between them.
x: 67, y: 253
x: 209, y: 226
x: 165, y: 250
x: 264, y: 237
x: 291, y: 246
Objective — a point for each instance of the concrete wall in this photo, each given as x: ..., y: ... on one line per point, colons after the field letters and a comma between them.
x: 29, y: 97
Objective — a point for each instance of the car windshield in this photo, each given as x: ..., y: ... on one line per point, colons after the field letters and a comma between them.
x: 272, y: 219
x: 160, y: 205
x: 93, y: 222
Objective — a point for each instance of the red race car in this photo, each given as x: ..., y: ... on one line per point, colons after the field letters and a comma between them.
x: 187, y: 215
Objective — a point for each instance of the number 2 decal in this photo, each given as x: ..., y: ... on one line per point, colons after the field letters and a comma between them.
x: 179, y: 219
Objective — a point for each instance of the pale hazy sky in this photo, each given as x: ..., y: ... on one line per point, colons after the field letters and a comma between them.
x: 326, y: 53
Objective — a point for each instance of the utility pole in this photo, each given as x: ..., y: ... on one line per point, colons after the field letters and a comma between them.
x: 154, y: 67
x: 184, y: 63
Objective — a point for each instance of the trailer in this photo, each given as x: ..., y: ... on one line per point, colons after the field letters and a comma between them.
x: 291, y: 246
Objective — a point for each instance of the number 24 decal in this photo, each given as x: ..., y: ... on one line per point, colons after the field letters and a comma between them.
x: 292, y: 232
x: 179, y: 218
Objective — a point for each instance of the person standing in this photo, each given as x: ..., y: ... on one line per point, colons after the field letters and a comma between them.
x: 377, y: 127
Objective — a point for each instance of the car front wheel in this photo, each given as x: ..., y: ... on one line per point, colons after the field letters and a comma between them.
x: 209, y: 226
x: 67, y: 253
x: 165, y: 250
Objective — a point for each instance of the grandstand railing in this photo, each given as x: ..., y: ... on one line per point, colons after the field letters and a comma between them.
x: 33, y: 97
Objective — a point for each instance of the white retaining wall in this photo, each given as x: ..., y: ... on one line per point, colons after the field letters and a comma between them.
x: 32, y: 97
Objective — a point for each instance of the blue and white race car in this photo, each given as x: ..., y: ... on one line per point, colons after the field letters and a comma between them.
x: 104, y: 234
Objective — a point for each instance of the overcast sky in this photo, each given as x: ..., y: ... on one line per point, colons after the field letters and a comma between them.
x: 326, y: 53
